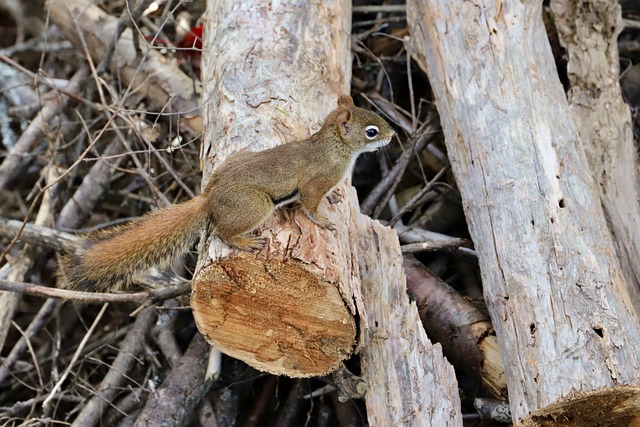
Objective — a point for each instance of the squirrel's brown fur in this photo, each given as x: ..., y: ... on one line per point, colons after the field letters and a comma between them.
x: 240, y: 196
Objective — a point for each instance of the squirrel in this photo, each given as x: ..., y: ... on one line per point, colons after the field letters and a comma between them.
x: 239, y: 197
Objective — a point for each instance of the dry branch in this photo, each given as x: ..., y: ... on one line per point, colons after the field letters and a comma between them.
x: 147, y: 75
x: 461, y: 329
x: 181, y: 392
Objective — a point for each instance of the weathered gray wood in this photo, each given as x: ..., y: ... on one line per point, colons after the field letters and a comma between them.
x: 589, y: 32
x: 409, y: 381
x: 554, y: 287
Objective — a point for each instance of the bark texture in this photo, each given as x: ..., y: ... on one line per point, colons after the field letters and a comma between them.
x: 553, y: 284
x: 589, y: 32
x: 409, y: 382
x: 273, y: 72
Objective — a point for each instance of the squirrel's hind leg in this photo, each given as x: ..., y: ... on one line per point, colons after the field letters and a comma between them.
x: 247, y: 242
x: 237, y: 213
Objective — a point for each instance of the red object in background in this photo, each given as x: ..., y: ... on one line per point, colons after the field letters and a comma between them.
x: 192, y: 39
x: 190, y: 48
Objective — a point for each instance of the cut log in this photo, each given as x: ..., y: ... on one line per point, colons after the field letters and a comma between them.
x: 272, y: 73
x: 552, y: 282
x: 274, y: 315
x: 280, y: 310
x: 589, y: 32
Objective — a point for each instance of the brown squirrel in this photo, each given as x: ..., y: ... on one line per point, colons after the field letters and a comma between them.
x: 240, y: 196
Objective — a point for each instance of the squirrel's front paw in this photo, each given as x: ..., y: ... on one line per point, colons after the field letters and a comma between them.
x: 334, y: 196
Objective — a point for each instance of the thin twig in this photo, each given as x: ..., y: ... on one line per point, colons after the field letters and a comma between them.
x: 389, y: 8
x: 75, y: 357
x: 415, y: 199
x: 433, y: 245
x: 146, y: 297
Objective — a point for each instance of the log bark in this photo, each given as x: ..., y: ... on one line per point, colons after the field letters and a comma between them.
x: 272, y: 73
x: 553, y: 285
x: 269, y: 80
x: 409, y: 382
x: 589, y: 32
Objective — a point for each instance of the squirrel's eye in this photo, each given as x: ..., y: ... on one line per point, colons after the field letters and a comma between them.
x: 371, y: 131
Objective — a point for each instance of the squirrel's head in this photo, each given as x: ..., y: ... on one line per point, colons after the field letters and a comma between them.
x: 360, y: 129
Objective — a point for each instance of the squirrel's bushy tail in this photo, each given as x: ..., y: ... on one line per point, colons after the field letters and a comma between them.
x: 115, y: 256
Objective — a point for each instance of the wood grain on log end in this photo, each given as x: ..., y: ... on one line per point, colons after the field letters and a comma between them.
x: 614, y: 406
x: 273, y: 315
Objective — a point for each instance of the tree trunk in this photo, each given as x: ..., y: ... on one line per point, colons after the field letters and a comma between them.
x: 272, y: 73
x: 555, y: 291
x: 589, y: 31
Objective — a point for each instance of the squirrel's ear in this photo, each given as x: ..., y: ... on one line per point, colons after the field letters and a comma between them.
x: 345, y: 101
x: 343, y: 121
